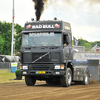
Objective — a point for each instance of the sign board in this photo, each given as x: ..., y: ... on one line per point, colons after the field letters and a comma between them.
x: 13, y: 64
x: 13, y: 67
x: 43, y: 26
x: 82, y: 56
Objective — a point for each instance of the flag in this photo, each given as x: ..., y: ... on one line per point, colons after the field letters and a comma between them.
x: 76, y: 42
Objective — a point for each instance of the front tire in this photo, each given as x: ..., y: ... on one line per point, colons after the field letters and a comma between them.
x: 66, y: 79
x: 30, y: 80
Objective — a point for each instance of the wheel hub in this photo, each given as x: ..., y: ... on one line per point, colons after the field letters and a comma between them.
x: 86, y: 78
x: 69, y: 78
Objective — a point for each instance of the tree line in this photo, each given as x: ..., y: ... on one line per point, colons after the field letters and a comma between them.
x: 88, y: 45
x: 6, y: 38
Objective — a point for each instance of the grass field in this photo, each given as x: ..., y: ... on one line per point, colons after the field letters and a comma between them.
x: 7, y: 77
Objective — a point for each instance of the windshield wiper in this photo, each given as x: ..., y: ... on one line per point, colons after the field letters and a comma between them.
x: 40, y: 57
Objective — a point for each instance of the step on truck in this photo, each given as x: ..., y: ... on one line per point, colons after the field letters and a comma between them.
x: 46, y: 54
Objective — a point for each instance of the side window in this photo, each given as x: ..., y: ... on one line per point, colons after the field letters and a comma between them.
x: 65, y: 39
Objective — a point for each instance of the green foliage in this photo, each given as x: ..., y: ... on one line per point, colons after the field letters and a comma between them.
x: 6, y: 37
x: 85, y: 43
x: 17, y: 73
x: 17, y: 54
x: 6, y: 31
x: 88, y: 45
x: 1, y: 44
x: 94, y: 43
x: 18, y: 30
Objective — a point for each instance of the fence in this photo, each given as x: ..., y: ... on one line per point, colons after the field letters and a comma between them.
x: 7, y: 65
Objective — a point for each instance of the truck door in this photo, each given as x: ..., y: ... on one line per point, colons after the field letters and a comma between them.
x: 67, y: 47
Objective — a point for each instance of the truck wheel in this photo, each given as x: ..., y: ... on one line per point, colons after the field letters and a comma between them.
x: 66, y: 79
x: 85, y: 79
x: 30, y: 81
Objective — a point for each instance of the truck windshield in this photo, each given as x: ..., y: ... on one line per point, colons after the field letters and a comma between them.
x: 41, y: 39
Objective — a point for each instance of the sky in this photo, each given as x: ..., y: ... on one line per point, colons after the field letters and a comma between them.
x: 83, y: 15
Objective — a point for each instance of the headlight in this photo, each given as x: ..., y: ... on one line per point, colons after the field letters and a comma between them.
x: 57, y: 66
x: 25, y: 67
x: 24, y: 72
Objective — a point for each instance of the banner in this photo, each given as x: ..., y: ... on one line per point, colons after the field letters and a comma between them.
x: 84, y: 57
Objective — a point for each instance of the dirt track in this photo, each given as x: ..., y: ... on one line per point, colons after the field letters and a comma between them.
x: 42, y: 91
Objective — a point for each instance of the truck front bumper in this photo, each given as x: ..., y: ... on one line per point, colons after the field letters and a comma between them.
x: 42, y: 69
x: 43, y: 73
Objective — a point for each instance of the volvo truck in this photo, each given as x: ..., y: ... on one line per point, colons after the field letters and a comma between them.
x: 46, y: 54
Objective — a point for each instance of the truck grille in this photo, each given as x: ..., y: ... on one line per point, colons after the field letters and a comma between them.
x: 30, y: 57
x: 40, y: 67
x: 34, y: 57
x: 37, y: 55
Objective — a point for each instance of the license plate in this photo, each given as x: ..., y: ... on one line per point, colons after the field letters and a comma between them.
x: 40, y: 72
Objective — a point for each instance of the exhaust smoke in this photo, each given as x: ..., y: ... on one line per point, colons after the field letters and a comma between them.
x: 39, y: 7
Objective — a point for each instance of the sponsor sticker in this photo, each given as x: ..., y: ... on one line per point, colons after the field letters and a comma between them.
x: 41, y: 34
x: 57, y: 26
x: 29, y: 26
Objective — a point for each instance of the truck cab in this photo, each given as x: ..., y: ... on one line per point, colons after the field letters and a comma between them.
x: 46, y: 52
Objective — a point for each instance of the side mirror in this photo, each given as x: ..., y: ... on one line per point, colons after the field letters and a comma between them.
x: 67, y: 39
x: 20, y: 40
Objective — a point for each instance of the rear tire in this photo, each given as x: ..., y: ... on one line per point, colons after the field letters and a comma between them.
x: 66, y: 79
x: 85, y: 79
x: 30, y: 80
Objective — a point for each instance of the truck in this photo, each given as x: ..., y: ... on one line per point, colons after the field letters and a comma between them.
x: 46, y: 54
